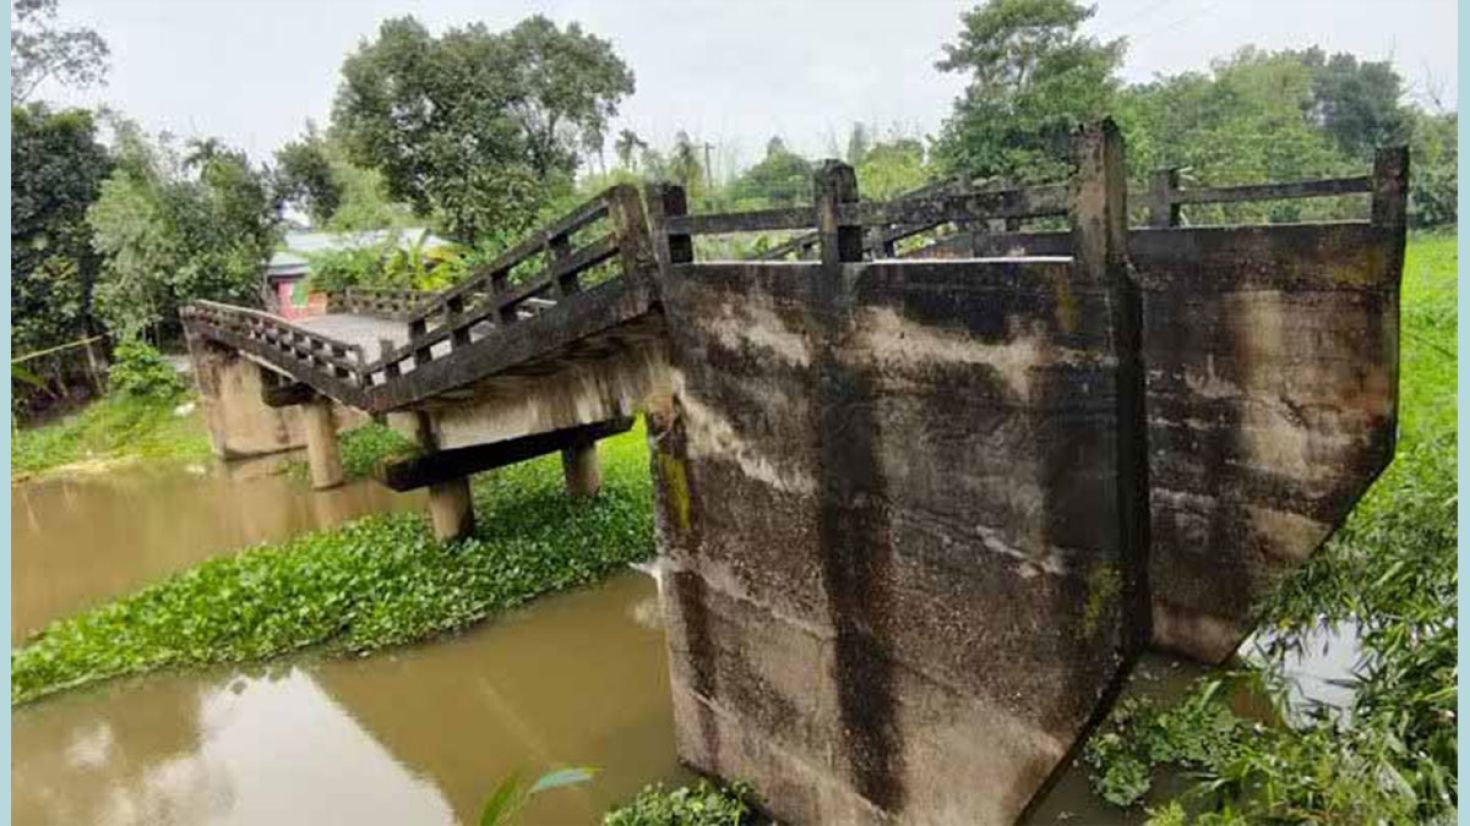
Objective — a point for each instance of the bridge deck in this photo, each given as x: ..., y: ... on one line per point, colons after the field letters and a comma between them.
x: 365, y: 331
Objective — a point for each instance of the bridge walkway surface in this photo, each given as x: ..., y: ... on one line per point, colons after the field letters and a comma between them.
x: 925, y: 491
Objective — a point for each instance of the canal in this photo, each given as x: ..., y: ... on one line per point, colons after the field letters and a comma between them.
x: 420, y: 734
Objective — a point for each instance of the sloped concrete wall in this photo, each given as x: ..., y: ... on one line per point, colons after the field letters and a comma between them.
x: 240, y: 424
x: 887, y: 501
x: 1271, y: 363
x: 1272, y: 356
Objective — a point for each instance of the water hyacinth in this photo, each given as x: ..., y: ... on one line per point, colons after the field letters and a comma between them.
x: 375, y: 582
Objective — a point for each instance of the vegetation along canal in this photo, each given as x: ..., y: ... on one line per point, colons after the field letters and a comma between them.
x: 414, y: 735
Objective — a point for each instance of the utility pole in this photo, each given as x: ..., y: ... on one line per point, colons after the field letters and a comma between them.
x: 709, y: 172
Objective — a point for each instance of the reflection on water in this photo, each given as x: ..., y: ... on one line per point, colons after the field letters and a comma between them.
x: 79, y: 540
x: 417, y: 735
x: 420, y: 735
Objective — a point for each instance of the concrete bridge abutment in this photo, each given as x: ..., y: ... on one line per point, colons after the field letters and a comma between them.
x: 920, y: 517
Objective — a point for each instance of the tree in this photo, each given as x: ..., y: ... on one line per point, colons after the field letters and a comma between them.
x: 1248, y: 120
x: 1433, y: 168
x: 480, y: 129
x: 1357, y: 102
x: 892, y: 167
x: 858, y: 143
x: 57, y: 170
x: 627, y: 146
x: 782, y: 178
x: 38, y: 52
x: 684, y: 165
x: 1033, y: 78
x: 171, y: 230
x: 305, y: 179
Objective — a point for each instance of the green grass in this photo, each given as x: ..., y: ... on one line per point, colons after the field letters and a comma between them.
x: 361, y: 449
x: 112, y: 429
x: 1391, y: 571
x: 376, y: 582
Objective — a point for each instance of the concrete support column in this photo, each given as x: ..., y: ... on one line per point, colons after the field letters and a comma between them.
x: 579, y: 466
x: 321, y: 444
x: 451, y: 509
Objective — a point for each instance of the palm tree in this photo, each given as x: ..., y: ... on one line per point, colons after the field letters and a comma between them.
x: 627, y: 146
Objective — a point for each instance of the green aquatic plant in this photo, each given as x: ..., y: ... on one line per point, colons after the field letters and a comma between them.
x: 373, y: 583
x: 700, y: 804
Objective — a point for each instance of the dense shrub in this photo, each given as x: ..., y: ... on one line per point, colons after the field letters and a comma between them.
x: 140, y: 371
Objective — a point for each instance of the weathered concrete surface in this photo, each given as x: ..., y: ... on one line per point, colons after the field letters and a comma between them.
x: 1272, y: 358
x: 613, y: 383
x: 323, y: 457
x: 888, y: 504
x: 451, y: 509
x: 240, y: 424
x: 580, y: 470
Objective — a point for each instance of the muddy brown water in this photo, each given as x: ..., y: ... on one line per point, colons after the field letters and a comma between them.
x: 416, y: 735
x: 81, y: 539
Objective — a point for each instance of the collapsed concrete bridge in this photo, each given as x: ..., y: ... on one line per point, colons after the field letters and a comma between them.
x: 920, y: 509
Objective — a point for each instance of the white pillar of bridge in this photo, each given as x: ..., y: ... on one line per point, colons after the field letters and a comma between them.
x: 580, y: 469
x: 322, y: 455
x: 451, y: 509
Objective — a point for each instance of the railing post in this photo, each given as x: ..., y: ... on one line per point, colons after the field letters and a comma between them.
x: 1099, y: 216
x: 558, y: 250
x: 1390, y: 209
x: 669, y: 201
x: 1391, y: 187
x: 453, y: 308
x: 630, y: 227
x: 1010, y: 199
x: 390, y: 368
x: 417, y: 329
x: 835, y: 184
x: 1162, y: 211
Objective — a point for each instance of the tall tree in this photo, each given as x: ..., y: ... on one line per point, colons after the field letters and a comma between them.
x: 858, y: 143
x: 782, y: 178
x: 1357, y: 102
x: 892, y: 167
x: 1033, y: 77
x: 305, y: 179
x: 57, y: 167
x: 684, y: 165
x: 171, y: 230
x: 476, y: 127
x: 628, y: 146
x: 40, y: 52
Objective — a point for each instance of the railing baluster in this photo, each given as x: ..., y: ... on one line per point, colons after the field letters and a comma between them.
x: 558, y: 250
x: 461, y: 335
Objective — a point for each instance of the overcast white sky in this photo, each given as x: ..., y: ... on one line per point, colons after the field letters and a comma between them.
x: 731, y: 73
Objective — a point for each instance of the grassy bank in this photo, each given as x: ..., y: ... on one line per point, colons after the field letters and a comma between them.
x: 1390, y: 571
x: 377, y: 582
x: 361, y: 449
x: 114, y: 429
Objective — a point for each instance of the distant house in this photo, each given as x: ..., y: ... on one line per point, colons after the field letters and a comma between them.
x: 285, y: 275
